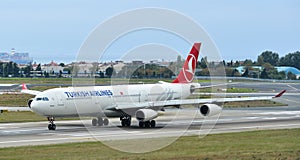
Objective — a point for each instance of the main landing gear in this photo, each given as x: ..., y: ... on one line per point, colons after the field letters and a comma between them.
x: 147, y: 124
x: 51, y: 125
x: 100, y: 122
x: 125, y: 121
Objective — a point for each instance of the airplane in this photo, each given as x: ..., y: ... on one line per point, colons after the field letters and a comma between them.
x: 142, y: 101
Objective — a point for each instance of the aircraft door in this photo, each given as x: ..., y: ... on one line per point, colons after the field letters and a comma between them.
x: 59, y: 100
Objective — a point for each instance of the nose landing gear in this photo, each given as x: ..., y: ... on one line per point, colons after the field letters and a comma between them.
x: 51, y: 125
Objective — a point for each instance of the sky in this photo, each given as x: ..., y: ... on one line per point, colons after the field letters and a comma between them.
x: 55, y: 30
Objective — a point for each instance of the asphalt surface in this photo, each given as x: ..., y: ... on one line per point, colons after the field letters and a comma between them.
x: 175, y: 122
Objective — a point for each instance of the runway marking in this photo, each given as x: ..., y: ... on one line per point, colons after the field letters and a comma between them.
x: 96, y: 134
x: 292, y: 87
x: 251, y: 117
x: 280, y: 113
x: 38, y: 140
x: 291, y: 100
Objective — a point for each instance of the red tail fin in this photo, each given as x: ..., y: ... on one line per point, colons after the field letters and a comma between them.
x: 187, y: 72
x: 24, y: 87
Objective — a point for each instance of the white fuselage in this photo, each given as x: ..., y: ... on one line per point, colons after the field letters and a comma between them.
x: 96, y: 100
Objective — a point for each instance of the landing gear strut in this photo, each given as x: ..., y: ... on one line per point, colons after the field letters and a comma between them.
x: 147, y: 124
x: 100, y: 122
x: 125, y: 121
x: 51, y: 125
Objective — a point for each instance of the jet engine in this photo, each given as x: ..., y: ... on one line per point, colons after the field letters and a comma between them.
x: 210, y: 109
x: 29, y: 102
x: 145, y: 114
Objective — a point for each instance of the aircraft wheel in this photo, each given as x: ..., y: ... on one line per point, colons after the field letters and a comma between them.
x: 147, y: 124
x: 128, y: 122
x: 51, y: 126
x: 100, y: 122
x: 152, y: 123
x: 105, y: 121
x: 142, y: 124
x: 94, y: 122
x: 123, y: 123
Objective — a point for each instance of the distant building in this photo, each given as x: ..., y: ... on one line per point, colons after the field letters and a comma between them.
x: 52, y: 68
x: 19, y: 58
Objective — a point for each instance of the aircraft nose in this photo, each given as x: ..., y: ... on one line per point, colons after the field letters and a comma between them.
x: 35, y: 107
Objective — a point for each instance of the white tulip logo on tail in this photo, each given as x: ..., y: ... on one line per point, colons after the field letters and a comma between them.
x: 187, y: 73
x: 188, y: 69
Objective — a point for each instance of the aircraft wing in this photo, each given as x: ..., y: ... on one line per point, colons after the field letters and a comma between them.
x: 26, y: 90
x: 124, y: 106
x: 214, y: 85
x: 33, y: 92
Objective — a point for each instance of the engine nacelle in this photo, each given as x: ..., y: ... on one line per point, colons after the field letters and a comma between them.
x: 210, y: 109
x: 29, y: 102
x: 145, y: 114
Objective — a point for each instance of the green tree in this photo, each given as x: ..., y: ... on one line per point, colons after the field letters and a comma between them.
x: 291, y: 76
x: 203, y: 62
x: 60, y: 74
x: 101, y: 74
x: 38, y: 68
x: 264, y: 74
x: 109, y: 72
x: 270, y: 57
x: 268, y: 66
x: 248, y: 62
x: 28, y: 69
x: 62, y: 64
x: 291, y: 59
x: 260, y: 60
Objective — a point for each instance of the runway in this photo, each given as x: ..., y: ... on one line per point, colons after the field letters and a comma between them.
x: 232, y: 120
x: 175, y: 122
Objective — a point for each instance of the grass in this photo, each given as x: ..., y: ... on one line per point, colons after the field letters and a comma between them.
x: 19, y: 100
x: 229, y: 90
x: 68, y: 81
x: 272, y: 144
x: 258, y: 103
x: 25, y: 116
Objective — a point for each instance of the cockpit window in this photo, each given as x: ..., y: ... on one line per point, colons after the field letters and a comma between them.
x: 42, y: 99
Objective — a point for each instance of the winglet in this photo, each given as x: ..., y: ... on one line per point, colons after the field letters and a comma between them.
x: 24, y: 87
x: 280, y: 94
